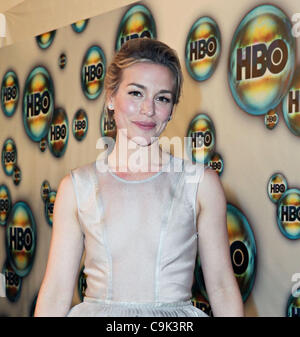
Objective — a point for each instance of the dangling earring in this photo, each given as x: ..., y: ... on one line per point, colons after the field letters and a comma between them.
x: 110, y: 106
x: 170, y: 117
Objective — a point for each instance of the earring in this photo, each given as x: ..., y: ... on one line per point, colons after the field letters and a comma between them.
x: 110, y: 106
x: 170, y: 117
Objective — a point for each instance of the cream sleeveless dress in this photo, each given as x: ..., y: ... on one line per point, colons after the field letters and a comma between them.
x: 140, y: 240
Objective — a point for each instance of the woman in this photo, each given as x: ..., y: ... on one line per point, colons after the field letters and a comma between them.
x: 139, y: 219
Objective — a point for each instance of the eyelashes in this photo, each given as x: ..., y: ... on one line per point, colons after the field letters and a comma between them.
x: 164, y: 99
x: 136, y: 93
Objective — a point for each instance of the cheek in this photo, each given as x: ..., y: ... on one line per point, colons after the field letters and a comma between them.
x: 125, y: 105
x: 164, y: 113
x: 124, y: 109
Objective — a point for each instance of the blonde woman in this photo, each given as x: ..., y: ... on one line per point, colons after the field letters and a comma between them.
x: 141, y: 225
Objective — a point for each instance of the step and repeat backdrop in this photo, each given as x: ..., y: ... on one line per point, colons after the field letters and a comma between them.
x: 240, y: 107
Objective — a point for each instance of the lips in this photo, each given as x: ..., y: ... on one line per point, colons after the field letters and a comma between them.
x: 145, y: 125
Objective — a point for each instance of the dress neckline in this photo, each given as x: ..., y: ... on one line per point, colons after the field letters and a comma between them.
x: 142, y: 180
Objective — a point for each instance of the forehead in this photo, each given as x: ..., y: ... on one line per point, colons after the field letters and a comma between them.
x: 147, y: 73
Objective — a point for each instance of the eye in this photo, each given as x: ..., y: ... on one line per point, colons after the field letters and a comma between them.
x: 135, y: 93
x: 164, y: 99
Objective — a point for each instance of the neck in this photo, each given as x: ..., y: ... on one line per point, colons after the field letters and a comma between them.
x: 129, y: 156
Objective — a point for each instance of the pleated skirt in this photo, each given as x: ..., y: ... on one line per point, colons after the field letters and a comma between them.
x: 91, y: 307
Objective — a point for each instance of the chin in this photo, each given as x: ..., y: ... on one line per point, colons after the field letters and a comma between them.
x: 143, y: 141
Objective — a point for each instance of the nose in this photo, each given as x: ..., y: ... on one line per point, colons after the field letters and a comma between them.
x: 147, y: 107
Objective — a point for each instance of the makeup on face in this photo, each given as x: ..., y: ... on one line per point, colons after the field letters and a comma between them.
x: 143, y: 101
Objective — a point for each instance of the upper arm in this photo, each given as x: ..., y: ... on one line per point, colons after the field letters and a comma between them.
x: 66, y: 245
x: 213, y: 242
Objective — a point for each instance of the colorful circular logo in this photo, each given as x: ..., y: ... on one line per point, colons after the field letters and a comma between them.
x: 62, y: 61
x: 80, y: 124
x: 277, y: 185
x: 17, y: 175
x: 271, y: 119
x: 45, y: 190
x: 291, y: 105
x: 49, y: 207
x: 9, y: 93
x: 93, y: 72
x: 9, y: 156
x: 79, y: 26
x: 216, y: 163
x: 108, y: 126
x: 242, y: 251
x: 43, y: 144
x: 13, y: 282
x: 45, y: 40
x: 38, y: 103
x: 288, y: 214
x: 5, y: 204
x: 201, y: 139
x: 202, y: 48
x: 20, y: 238
x: 261, y: 59
x: 58, y: 133
x: 137, y: 22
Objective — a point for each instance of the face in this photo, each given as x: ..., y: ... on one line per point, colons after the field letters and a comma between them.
x: 143, y: 101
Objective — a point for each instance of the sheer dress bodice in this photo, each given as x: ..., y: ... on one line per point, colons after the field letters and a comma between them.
x: 140, y: 240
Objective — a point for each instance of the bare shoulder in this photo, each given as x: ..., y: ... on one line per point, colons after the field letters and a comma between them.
x: 66, y: 193
x: 210, y: 189
x: 66, y: 185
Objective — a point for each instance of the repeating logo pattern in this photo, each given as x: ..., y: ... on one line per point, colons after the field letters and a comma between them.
x: 201, y: 139
x: 290, y: 105
x: 262, y: 59
x: 38, y: 103
x: 137, y: 22
x: 93, y: 72
x: 203, y: 48
x: 58, y: 133
x: 80, y: 25
x: 80, y: 124
x: 10, y: 93
x: 45, y: 40
x: 20, y: 238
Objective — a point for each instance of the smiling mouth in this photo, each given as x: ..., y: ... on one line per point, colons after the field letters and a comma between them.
x: 144, y: 125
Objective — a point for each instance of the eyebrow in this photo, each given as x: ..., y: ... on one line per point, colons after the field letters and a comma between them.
x: 143, y: 87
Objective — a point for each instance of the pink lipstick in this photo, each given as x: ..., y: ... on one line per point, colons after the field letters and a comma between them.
x: 144, y: 125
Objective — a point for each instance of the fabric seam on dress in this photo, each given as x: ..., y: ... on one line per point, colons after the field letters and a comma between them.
x: 108, y: 255
x: 135, y: 181
x: 195, y: 199
x: 139, y: 304
x: 195, y: 218
x: 77, y: 201
x: 194, y: 206
x: 162, y: 236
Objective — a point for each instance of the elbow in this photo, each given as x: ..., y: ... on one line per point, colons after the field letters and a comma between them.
x: 52, y: 303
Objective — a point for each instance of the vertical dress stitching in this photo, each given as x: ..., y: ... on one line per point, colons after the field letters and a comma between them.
x: 109, y: 258
x: 163, y: 232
